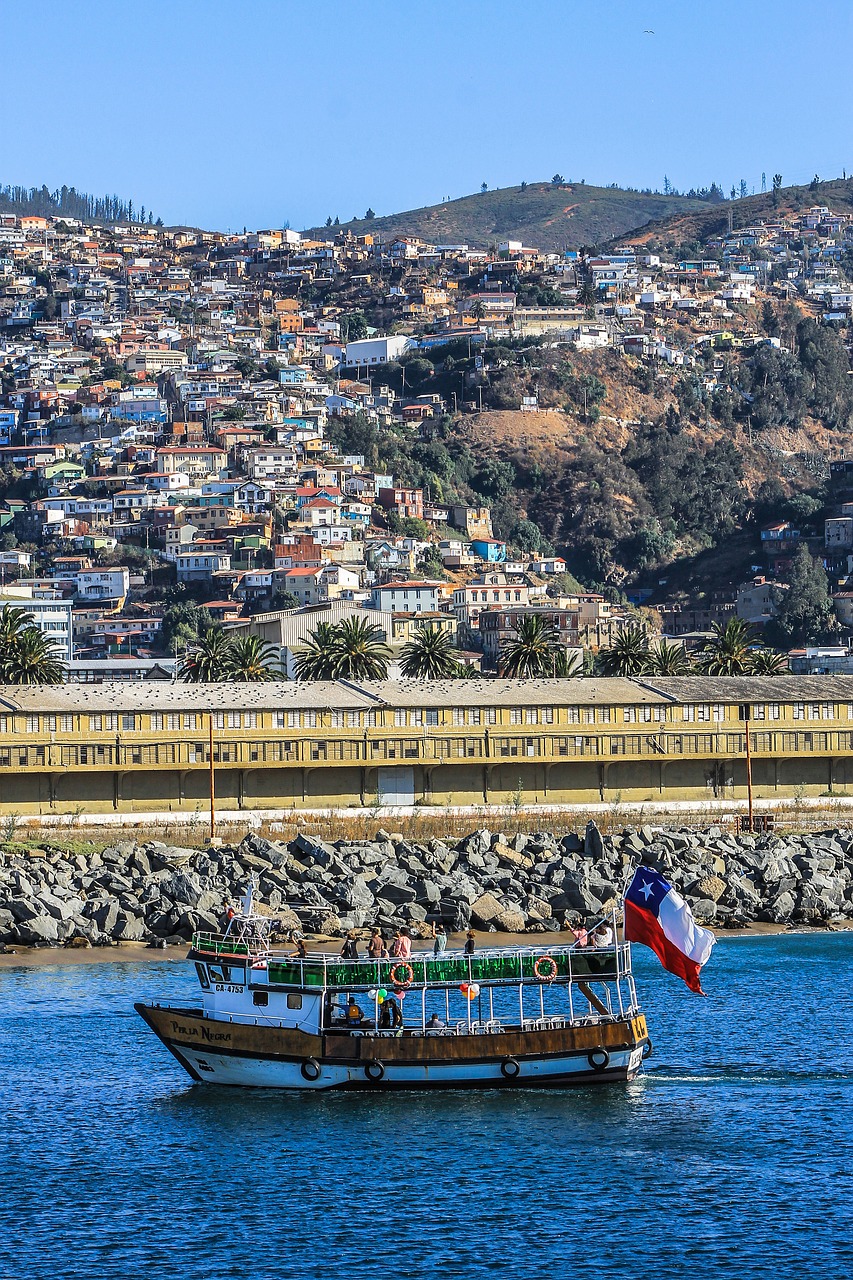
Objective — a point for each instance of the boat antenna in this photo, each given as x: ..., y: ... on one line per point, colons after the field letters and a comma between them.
x: 248, y: 896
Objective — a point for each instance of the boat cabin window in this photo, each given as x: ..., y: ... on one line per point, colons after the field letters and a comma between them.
x: 261, y: 998
x: 294, y: 1002
x: 227, y: 973
x: 202, y: 976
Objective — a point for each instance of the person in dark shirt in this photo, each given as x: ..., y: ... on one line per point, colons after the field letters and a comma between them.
x: 470, y: 944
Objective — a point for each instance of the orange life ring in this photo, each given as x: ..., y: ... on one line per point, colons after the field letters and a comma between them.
x: 407, y: 970
x: 553, y: 970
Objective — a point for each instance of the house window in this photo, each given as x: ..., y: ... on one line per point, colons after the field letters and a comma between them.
x: 799, y: 711
x: 491, y: 715
x: 399, y: 718
x: 629, y: 715
x: 50, y: 724
x: 774, y: 710
x: 353, y: 719
x: 515, y: 715
x: 432, y: 717
x: 531, y: 716
x: 128, y: 720
x: 32, y: 724
x: 157, y: 720
x: 759, y: 711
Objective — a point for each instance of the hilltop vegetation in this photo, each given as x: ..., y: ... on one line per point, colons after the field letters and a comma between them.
x: 69, y: 203
x: 547, y: 215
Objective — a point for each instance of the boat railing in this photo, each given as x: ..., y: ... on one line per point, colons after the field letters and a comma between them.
x: 541, y: 964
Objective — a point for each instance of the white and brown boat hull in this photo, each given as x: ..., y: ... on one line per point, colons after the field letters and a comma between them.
x: 251, y: 1054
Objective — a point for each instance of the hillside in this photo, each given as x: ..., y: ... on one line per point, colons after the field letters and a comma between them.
x: 541, y: 215
x: 695, y: 225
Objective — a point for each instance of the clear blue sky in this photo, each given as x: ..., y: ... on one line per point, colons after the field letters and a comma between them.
x: 225, y: 113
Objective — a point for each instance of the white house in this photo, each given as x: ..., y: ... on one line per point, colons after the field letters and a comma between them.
x: 368, y: 351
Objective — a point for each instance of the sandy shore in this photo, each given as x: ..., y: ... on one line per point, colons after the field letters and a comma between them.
x: 140, y: 953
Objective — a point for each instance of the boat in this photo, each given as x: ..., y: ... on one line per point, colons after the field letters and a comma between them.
x: 503, y: 1017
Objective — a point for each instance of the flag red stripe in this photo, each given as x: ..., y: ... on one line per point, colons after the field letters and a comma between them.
x: 642, y: 926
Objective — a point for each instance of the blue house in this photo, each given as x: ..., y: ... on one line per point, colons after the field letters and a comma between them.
x: 489, y: 549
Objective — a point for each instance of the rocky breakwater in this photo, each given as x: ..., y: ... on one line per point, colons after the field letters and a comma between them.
x: 535, y: 883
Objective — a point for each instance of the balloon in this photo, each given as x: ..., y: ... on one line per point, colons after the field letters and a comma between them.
x: 471, y: 993
x: 372, y: 994
x: 401, y: 995
x: 464, y: 988
x: 382, y: 993
x: 473, y: 990
x: 380, y: 999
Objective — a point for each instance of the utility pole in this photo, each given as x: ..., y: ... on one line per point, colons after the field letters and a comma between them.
x: 212, y: 781
x: 746, y: 715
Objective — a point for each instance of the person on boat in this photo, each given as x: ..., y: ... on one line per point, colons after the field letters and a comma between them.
x: 470, y: 943
x: 439, y: 934
x: 404, y: 948
x: 355, y: 1014
x: 299, y: 942
x: 603, y: 935
x: 434, y: 1023
x: 349, y: 951
x: 390, y: 1015
x: 396, y: 943
x: 579, y: 932
x: 376, y: 946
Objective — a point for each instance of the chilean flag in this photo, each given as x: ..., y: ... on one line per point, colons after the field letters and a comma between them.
x: 660, y: 918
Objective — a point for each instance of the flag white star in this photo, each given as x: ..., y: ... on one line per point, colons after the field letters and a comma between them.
x: 646, y: 890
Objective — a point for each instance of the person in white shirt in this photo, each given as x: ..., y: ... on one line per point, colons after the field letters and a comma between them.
x: 603, y: 936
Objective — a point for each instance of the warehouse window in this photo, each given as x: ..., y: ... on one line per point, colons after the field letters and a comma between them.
x: 32, y: 724
x: 759, y: 711
x: 157, y: 720
x: 128, y: 720
x: 491, y: 715
x: 799, y: 711
x: 474, y: 715
x: 353, y: 719
x: 629, y: 715
x: 50, y: 724
x: 531, y: 716
x: 337, y: 719
x: 773, y: 710
x: 432, y: 717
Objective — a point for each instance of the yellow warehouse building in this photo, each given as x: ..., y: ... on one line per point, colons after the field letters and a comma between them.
x: 142, y: 747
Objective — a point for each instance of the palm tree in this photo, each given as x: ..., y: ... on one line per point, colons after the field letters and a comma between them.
x: 429, y: 655
x: 629, y: 654
x: 360, y: 650
x: 12, y: 622
x: 728, y: 653
x: 209, y: 659
x: 767, y: 662
x: 30, y: 658
x: 253, y: 661
x: 567, y: 665
x: 317, y: 660
x: 668, y: 659
x: 534, y: 651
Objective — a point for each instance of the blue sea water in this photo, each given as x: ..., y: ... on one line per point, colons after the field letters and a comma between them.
x: 731, y: 1157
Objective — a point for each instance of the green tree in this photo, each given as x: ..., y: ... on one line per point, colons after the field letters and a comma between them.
x: 26, y: 655
x: 317, y: 660
x: 183, y: 623
x: 246, y: 366
x: 533, y: 652
x: 429, y: 655
x: 767, y: 662
x: 728, y: 653
x: 805, y: 609
x: 253, y: 661
x: 360, y: 651
x: 669, y: 659
x: 209, y: 659
x: 629, y: 654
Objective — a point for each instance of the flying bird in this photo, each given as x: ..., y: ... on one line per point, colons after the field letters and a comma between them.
x: 647, y: 32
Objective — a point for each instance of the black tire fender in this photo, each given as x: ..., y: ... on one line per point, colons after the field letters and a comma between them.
x: 598, y: 1059
x: 310, y: 1069
x: 510, y: 1069
x: 374, y: 1071
x: 648, y: 1049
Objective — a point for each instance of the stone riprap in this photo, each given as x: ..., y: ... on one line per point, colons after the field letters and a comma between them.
x: 534, y: 883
